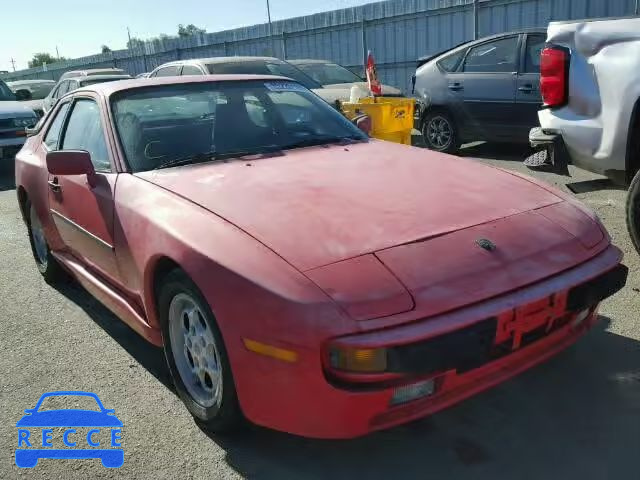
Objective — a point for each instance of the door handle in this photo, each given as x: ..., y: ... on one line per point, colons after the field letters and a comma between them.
x: 54, y: 185
x: 455, y: 86
x: 528, y: 88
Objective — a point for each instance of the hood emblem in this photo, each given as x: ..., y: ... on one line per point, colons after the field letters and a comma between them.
x: 486, y: 244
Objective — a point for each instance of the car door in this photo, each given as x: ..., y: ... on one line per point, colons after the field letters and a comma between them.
x: 483, y: 88
x: 83, y: 213
x: 528, y: 98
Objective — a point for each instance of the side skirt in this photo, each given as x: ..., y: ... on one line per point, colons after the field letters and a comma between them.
x: 110, y: 298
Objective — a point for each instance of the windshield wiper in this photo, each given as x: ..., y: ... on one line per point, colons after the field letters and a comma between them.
x: 322, y: 140
x: 214, y: 155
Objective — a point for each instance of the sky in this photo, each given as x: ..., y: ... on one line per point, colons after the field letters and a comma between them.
x: 80, y: 27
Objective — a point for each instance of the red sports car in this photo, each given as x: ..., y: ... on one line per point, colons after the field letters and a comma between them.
x: 296, y: 272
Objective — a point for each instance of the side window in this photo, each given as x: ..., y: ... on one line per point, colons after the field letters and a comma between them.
x: 191, y: 70
x: 84, y: 132
x: 64, y: 88
x: 170, y: 71
x: 450, y: 63
x: 493, y: 57
x: 73, y: 85
x: 53, y: 134
x: 535, y: 44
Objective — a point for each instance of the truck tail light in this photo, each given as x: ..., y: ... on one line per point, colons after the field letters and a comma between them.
x: 554, y: 75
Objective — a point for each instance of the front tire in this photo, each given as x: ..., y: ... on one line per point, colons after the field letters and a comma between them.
x: 47, y: 265
x: 633, y: 211
x: 196, y: 355
x: 439, y: 132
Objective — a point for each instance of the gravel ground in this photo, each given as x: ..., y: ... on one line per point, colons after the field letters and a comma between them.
x: 575, y: 416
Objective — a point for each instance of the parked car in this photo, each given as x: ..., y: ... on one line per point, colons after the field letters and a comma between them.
x: 15, y: 118
x: 338, y: 78
x: 248, y: 65
x: 92, y: 71
x: 143, y: 75
x: 284, y: 260
x: 70, y: 84
x: 590, y: 82
x: 34, y: 91
x: 486, y: 89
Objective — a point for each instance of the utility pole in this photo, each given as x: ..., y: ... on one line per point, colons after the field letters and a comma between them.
x: 129, y: 35
x: 475, y: 19
x: 57, y: 53
x: 270, y: 35
x: 13, y: 64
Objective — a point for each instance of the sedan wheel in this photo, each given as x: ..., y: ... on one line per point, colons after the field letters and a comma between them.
x: 439, y: 133
x: 47, y: 265
x: 195, y: 352
x: 40, y: 249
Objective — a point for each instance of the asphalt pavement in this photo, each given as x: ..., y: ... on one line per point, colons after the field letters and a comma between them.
x: 575, y: 416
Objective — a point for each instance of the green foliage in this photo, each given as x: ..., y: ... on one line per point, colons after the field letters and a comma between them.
x: 42, y: 58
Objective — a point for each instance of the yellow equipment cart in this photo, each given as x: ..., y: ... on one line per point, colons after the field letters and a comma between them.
x: 391, y: 117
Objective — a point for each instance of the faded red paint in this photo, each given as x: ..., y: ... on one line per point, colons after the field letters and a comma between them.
x: 365, y: 245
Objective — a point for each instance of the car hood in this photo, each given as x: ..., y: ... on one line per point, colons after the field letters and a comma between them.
x: 14, y: 109
x: 342, y: 91
x: 320, y: 205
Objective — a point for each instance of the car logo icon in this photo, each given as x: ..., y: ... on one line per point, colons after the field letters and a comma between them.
x: 486, y: 244
x: 35, y: 429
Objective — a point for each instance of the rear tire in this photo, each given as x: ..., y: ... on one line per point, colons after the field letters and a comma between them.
x: 47, y: 265
x: 633, y: 211
x: 196, y: 355
x: 439, y: 132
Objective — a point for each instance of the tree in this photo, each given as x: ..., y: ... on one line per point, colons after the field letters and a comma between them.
x: 191, y: 29
x: 41, y: 58
x: 105, y: 49
x: 135, y: 43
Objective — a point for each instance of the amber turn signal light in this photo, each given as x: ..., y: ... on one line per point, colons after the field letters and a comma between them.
x: 364, y: 360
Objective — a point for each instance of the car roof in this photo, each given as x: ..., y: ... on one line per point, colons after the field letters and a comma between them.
x: 109, y: 88
x: 427, y: 58
x: 89, y: 71
x: 97, y: 78
x: 309, y: 60
x: 30, y: 82
x: 235, y: 59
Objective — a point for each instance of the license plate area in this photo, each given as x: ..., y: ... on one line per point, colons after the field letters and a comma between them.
x: 527, y: 323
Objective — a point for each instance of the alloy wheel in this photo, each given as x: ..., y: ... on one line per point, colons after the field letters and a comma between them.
x: 195, y: 351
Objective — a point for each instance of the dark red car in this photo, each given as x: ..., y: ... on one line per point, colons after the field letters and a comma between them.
x: 295, y: 271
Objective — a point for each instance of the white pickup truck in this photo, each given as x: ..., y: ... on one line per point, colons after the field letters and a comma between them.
x: 590, y: 85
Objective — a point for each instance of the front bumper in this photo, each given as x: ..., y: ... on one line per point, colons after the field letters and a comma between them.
x: 304, y: 399
x: 10, y: 145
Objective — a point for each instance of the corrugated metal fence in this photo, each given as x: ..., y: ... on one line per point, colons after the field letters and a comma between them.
x: 397, y: 31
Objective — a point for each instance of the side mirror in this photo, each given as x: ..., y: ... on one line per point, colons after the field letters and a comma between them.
x: 22, y: 95
x: 363, y: 122
x: 71, y: 162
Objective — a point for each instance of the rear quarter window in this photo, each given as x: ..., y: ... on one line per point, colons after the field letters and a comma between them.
x: 451, y: 62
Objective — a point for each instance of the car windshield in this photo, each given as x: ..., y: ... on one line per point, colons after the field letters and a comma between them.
x: 5, y: 92
x: 329, y: 73
x: 262, y: 67
x: 170, y: 125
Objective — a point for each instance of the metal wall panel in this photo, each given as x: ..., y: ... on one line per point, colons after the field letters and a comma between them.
x: 397, y: 31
